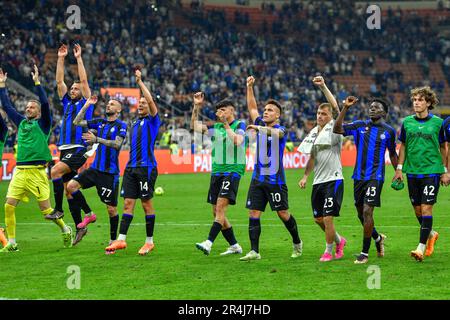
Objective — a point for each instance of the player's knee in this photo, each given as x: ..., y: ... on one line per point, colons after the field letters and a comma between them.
x: 284, y: 215
x: 318, y: 220
x: 56, y: 172
x: 254, y: 214
x: 112, y: 211
x: 72, y: 187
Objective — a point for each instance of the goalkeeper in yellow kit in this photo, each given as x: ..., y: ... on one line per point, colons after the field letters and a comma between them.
x: 32, y: 156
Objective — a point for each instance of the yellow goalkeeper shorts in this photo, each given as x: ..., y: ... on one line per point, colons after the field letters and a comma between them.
x: 29, y: 179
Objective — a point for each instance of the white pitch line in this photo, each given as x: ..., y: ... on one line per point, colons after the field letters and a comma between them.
x: 177, y: 224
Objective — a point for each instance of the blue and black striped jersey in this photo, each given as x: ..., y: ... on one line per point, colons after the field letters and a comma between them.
x: 269, y: 156
x: 107, y: 158
x: 142, y: 142
x: 71, y: 134
x: 371, y: 141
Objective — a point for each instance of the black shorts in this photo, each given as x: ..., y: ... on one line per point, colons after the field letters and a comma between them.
x: 326, y: 198
x: 260, y: 193
x: 139, y: 183
x: 423, y: 190
x: 75, y: 159
x: 107, y: 184
x: 368, y: 192
x: 223, y: 186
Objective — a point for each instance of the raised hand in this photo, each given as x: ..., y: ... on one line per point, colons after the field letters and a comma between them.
x: 138, y: 75
x: 199, y: 99
x: 250, y: 81
x: 350, y: 101
x: 319, y: 81
x: 3, y: 76
x: 77, y: 51
x: 35, y: 74
x: 92, y: 100
x: 63, y: 51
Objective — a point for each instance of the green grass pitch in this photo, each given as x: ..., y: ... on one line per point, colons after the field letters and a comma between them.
x: 177, y: 270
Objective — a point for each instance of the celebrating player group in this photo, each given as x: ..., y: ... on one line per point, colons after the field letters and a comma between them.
x: 423, y: 158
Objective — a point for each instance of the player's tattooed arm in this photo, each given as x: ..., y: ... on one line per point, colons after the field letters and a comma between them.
x: 339, y: 123
x: 61, y: 85
x: 196, y: 124
x: 85, y: 90
x: 320, y: 82
x: 147, y: 95
x: 91, y: 138
x: 79, y: 119
x: 251, y: 100
x: 116, y: 144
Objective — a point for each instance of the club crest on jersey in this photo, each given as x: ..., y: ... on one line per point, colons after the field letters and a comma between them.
x: 142, y: 123
x: 383, y: 136
x: 112, y: 129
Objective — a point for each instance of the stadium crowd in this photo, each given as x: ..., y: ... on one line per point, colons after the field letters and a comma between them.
x: 215, y: 55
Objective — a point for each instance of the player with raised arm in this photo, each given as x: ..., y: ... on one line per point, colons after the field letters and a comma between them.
x: 372, y: 138
x: 422, y: 157
x: 446, y: 177
x: 324, y: 148
x: 71, y: 145
x: 141, y: 171
x: 228, y: 166
x: 268, y: 183
x: 104, y: 171
x: 32, y: 156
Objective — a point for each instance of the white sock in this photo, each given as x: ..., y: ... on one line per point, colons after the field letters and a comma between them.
x: 149, y: 240
x: 122, y: 237
x: 208, y: 243
x: 432, y: 233
x: 378, y: 239
x: 236, y: 245
x: 329, y: 248
x: 337, y: 238
x: 12, y: 240
x: 421, y: 247
x: 65, y: 229
x: 89, y: 214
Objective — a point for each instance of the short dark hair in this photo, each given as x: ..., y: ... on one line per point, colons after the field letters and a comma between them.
x: 275, y: 103
x: 384, y: 102
x: 224, y: 103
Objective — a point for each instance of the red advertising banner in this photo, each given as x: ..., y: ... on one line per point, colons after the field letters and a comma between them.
x: 132, y: 95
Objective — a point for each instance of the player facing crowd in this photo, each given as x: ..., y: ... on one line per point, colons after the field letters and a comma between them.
x: 423, y: 157
x: 71, y: 145
x: 32, y: 156
x: 104, y: 171
x: 228, y: 166
x: 324, y: 148
x: 372, y: 138
x: 141, y: 171
x: 268, y: 184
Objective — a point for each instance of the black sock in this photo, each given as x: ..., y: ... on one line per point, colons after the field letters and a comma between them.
x: 81, y: 200
x: 149, y: 225
x: 254, y: 231
x: 375, y: 234
x: 125, y: 223
x: 58, y: 190
x: 425, y: 229
x: 419, y: 218
x: 214, y: 231
x: 113, y: 224
x: 291, y: 225
x: 366, y: 245
x: 75, y: 210
x: 228, y: 234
